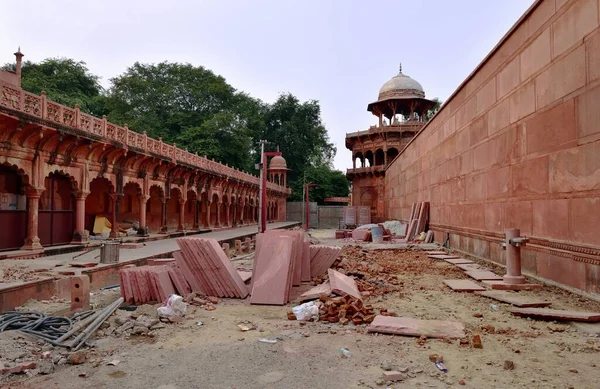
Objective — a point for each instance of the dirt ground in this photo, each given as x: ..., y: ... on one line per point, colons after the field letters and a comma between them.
x: 217, y: 354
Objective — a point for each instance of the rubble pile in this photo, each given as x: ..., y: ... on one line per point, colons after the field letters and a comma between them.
x: 346, y: 309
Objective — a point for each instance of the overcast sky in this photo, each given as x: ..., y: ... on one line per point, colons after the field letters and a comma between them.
x: 336, y: 52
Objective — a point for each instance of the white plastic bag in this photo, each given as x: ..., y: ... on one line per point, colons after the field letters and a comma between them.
x: 306, y: 311
x: 173, y: 307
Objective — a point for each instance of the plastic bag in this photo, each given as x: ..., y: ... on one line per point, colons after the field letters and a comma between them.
x: 306, y: 311
x: 173, y: 307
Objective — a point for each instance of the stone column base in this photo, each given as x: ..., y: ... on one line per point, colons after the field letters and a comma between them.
x: 143, y: 231
x: 32, y: 244
x: 80, y: 237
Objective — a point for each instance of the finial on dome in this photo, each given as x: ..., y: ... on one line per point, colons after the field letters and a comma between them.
x: 400, y: 68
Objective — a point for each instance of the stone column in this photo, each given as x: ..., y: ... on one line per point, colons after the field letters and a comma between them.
x: 227, y: 215
x: 80, y: 235
x: 218, y: 221
x: 32, y: 242
x: 114, y: 204
x: 143, y: 230
x: 196, y: 215
x: 181, y: 225
x: 207, y: 221
x: 163, y: 216
x: 513, y: 259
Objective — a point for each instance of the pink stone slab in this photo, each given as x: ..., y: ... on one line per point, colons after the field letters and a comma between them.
x: 443, y: 256
x: 361, y: 235
x: 556, y: 314
x: 230, y: 274
x: 501, y: 285
x: 513, y: 299
x: 471, y: 267
x: 415, y: 327
x: 305, y: 261
x: 272, y: 279
x: 481, y: 275
x: 245, y: 275
x: 342, y: 284
x: 463, y: 285
x: 436, y: 252
x: 320, y: 290
x: 458, y: 261
x: 195, y: 284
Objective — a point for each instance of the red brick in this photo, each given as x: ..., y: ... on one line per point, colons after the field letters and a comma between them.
x: 563, y: 77
x: 578, y: 21
x: 552, y: 129
x: 551, y: 219
x: 530, y: 177
x: 585, y: 220
x: 575, y: 169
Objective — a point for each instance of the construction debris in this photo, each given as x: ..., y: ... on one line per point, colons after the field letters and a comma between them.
x: 416, y: 327
x: 342, y: 284
x: 146, y: 283
x: 345, y: 309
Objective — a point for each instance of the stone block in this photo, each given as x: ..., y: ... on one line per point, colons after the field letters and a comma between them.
x: 499, y: 116
x: 522, y: 102
x: 463, y: 285
x: 552, y: 129
x: 514, y: 299
x: 342, y: 285
x: 238, y: 246
x: 575, y: 169
x: 571, y: 27
x: 585, y: 220
x: 476, y: 187
x: 556, y: 314
x: 561, y: 269
x: 535, y: 56
x: 530, y: 177
x: 494, y: 216
x: 509, y: 77
x: 247, y: 245
x: 563, y: 77
x: 478, y: 130
x: 551, y: 219
x: 592, y: 48
x: 588, y: 114
x: 416, y: 327
x: 498, y: 182
x: 225, y: 247
x: 363, y: 235
x: 486, y: 97
x: 80, y: 293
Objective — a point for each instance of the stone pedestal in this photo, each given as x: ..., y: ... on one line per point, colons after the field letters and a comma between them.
x: 32, y: 242
x: 513, y: 259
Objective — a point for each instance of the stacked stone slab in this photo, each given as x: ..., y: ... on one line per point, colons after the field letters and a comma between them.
x: 272, y: 275
x: 146, y: 284
x: 208, y: 269
x: 321, y: 258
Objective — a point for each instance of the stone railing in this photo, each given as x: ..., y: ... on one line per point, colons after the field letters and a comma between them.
x: 370, y: 169
x: 39, y: 106
x: 404, y: 126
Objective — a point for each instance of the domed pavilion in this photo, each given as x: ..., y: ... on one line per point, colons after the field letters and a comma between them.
x: 401, y: 109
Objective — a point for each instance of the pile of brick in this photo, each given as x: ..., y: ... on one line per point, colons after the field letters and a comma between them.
x: 345, y: 309
x: 279, y: 259
x: 151, y: 283
x: 321, y: 258
x: 207, y: 268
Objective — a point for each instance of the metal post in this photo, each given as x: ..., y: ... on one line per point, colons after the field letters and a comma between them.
x: 260, y: 184
x: 263, y: 195
x: 307, y: 209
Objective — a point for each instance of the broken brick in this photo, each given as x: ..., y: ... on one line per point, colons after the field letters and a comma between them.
x: 19, y: 368
x: 477, y: 341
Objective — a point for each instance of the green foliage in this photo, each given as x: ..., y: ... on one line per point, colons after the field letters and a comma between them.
x: 433, y: 111
x: 65, y: 81
x: 330, y: 183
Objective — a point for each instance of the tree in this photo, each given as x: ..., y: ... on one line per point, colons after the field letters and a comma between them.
x: 66, y: 82
x: 434, y: 110
x: 330, y: 183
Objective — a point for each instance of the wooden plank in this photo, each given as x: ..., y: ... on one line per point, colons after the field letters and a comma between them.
x: 480, y: 275
x: 513, y: 299
x: 415, y: 327
x: 463, y: 285
x: 556, y: 314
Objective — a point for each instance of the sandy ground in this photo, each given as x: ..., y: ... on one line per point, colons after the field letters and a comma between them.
x: 218, y: 355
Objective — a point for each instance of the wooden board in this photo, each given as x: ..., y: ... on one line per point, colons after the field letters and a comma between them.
x: 463, y: 285
x: 513, y: 299
x: 415, y: 327
x: 556, y: 314
x: 443, y: 256
x: 481, y: 275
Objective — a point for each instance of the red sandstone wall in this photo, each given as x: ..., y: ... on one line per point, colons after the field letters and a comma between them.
x: 518, y: 145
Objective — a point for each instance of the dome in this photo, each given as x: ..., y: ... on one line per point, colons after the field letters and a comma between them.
x: 277, y: 162
x: 401, y: 86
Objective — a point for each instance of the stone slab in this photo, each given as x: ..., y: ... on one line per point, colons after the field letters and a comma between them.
x: 342, y: 284
x: 84, y: 264
x: 273, y: 276
x: 458, y: 261
x: 364, y: 235
x: 501, y: 285
x: 436, y: 253
x: 415, y: 327
x: 320, y: 290
x: 556, y: 314
x: 305, y: 274
x: 471, y: 267
x: 481, y: 275
x: 463, y: 285
x: 245, y: 275
x: 443, y: 256
x: 513, y: 299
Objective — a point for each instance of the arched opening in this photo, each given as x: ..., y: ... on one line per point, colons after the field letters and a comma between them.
x: 203, y: 210
x: 129, y: 210
x: 154, y: 208
x: 97, y: 208
x: 368, y: 159
x: 379, y: 157
x: 214, y: 209
x: 359, y: 161
x: 56, y: 215
x: 391, y: 154
x: 190, y: 210
x: 13, y: 208
x: 173, y: 206
x: 224, y: 211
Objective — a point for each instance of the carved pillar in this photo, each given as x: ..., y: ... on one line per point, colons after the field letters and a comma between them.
x: 181, y: 225
x: 163, y: 216
x: 227, y: 214
x: 207, y: 221
x: 143, y: 230
x: 241, y: 212
x: 196, y: 215
x: 115, y: 200
x: 32, y: 242
x: 218, y: 221
x: 80, y: 235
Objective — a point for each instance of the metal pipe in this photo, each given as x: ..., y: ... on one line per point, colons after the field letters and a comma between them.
x: 86, y: 333
x: 81, y: 324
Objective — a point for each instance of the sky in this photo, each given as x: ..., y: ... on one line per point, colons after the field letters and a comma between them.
x: 337, y: 52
